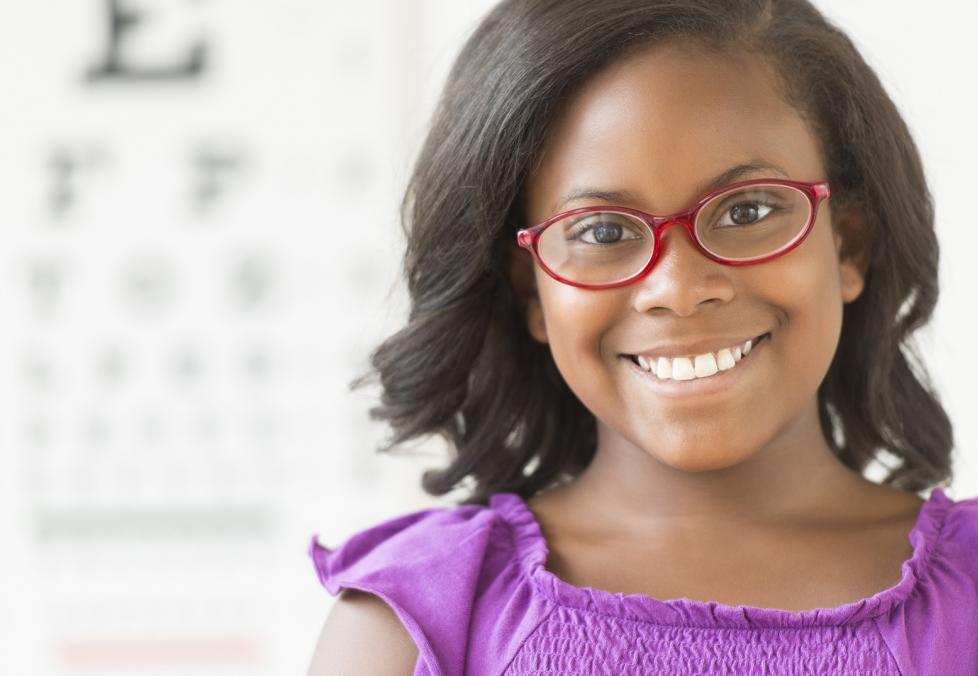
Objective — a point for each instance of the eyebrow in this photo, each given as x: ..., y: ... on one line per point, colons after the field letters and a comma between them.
x: 728, y: 176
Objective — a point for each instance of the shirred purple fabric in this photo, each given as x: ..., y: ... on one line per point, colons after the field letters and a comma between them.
x: 470, y: 585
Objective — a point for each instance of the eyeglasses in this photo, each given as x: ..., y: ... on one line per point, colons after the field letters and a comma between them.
x: 741, y: 224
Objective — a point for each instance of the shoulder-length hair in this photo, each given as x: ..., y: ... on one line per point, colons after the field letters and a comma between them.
x: 465, y: 367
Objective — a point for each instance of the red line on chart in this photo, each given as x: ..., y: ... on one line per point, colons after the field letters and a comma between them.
x: 219, y: 650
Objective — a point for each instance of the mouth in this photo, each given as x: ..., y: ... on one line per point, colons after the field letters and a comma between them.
x: 708, y: 372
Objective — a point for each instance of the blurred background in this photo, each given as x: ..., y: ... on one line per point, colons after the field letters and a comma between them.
x: 183, y: 305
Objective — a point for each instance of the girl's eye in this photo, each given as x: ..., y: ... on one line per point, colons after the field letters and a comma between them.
x: 745, y: 213
x: 602, y: 232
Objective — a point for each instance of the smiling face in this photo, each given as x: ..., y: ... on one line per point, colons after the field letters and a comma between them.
x: 660, y: 127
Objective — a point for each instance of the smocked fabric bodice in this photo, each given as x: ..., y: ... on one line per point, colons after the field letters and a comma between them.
x: 470, y: 585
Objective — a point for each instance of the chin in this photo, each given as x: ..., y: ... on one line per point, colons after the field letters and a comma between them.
x: 701, y: 458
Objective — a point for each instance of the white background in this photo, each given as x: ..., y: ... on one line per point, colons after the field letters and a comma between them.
x: 176, y: 345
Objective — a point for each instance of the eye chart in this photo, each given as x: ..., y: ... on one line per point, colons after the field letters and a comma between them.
x: 199, y: 246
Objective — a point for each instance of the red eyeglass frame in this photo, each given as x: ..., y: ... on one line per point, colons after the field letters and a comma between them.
x: 816, y: 193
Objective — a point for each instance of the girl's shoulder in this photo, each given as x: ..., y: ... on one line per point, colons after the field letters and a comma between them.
x: 419, y: 540
x: 434, y: 567
x: 933, y: 629
x: 957, y: 540
x: 942, y: 575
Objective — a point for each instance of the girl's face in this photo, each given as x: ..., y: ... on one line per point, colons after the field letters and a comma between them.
x: 661, y: 126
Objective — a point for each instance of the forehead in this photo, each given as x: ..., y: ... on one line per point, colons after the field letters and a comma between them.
x: 661, y: 123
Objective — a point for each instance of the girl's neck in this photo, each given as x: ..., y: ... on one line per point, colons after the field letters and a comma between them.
x: 796, y: 478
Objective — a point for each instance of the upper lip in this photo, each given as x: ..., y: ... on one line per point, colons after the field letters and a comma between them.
x: 686, y: 349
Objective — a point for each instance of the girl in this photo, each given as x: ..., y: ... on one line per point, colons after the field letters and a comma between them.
x: 665, y: 259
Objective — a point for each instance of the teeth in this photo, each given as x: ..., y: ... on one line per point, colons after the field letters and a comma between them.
x: 706, y: 365
x: 663, y: 368
x: 725, y: 360
x: 682, y: 369
x: 700, y: 366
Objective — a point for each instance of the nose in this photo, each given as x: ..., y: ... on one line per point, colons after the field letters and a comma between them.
x: 683, y: 278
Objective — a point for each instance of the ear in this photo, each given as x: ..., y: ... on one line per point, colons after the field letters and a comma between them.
x: 852, y: 250
x: 522, y: 277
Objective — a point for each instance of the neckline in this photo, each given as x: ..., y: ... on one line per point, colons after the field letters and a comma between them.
x: 532, y: 551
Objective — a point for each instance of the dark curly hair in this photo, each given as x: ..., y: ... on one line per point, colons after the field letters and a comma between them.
x: 465, y: 367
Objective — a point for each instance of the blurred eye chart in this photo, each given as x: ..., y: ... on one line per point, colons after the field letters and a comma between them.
x: 199, y: 245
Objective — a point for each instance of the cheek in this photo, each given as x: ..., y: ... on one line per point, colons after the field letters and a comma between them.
x: 577, y: 322
x: 575, y: 315
x: 806, y: 290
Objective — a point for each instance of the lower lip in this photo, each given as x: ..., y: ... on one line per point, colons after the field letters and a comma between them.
x: 715, y: 384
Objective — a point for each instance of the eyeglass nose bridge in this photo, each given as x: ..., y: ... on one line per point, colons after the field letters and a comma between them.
x: 660, y: 224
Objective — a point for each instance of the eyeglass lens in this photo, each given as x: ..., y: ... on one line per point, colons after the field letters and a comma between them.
x: 604, y: 247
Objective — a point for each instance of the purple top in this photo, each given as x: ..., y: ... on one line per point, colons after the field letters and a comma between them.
x: 469, y: 584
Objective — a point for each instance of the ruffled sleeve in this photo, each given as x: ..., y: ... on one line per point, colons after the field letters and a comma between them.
x: 936, y: 630
x: 427, y: 566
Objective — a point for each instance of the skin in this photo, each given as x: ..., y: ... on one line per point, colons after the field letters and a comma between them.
x: 726, y: 477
